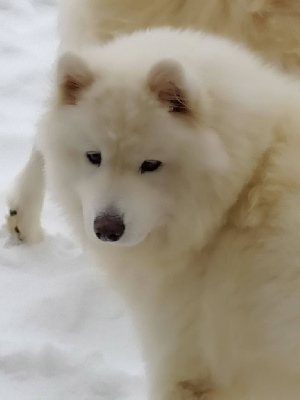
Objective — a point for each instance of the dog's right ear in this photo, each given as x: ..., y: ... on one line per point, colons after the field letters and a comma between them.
x: 73, y: 76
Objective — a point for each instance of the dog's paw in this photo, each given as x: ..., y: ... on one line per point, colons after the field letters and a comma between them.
x: 23, y: 226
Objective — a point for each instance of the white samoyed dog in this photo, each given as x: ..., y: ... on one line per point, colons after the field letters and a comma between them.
x: 176, y: 157
x: 270, y: 28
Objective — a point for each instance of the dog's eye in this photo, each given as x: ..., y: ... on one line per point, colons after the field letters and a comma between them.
x: 94, y: 157
x: 149, y: 166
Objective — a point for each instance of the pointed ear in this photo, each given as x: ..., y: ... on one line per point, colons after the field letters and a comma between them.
x: 166, y: 80
x: 73, y: 76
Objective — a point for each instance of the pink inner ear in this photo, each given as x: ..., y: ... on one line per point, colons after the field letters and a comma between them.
x: 70, y: 90
x: 168, y: 92
x: 174, y: 96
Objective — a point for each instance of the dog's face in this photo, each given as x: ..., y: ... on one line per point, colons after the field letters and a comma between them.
x: 118, y: 151
x: 122, y: 149
x: 131, y: 155
x: 126, y: 165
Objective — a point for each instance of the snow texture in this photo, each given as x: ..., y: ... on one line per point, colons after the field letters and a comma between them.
x: 64, y: 335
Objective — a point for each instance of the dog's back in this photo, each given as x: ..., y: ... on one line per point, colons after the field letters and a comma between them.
x: 269, y: 27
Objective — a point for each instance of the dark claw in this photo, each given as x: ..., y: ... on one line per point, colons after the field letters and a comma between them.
x: 17, y: 230
x: 12, y: 213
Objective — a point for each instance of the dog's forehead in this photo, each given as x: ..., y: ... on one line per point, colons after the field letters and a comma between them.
x: 122, y: 113
x: 129, y: 119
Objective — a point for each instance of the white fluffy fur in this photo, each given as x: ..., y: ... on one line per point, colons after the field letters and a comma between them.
x: 271, y: 27
x: 209, y: 262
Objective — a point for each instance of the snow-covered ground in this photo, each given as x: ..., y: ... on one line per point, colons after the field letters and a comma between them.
x: 63, y: 334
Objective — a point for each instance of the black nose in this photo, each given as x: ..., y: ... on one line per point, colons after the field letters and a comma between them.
x: 109, y: 228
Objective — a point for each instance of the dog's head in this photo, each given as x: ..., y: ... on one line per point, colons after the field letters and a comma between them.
x: 136, y: 149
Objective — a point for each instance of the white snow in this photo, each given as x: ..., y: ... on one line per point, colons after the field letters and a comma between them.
x: 64, y: 335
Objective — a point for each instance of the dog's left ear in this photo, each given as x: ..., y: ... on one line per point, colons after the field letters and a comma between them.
x: 166, y: 80
x: 73, y: 76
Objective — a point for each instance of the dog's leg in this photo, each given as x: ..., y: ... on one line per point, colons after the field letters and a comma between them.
x: 26, y: 200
